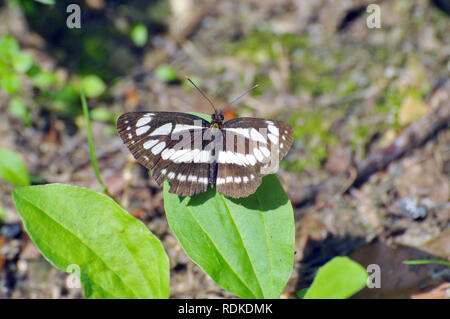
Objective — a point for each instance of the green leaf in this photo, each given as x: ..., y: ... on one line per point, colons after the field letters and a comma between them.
x: 117, y: 255
x: 10, y: 82
x: 166, y: 73
x: 339, y: 278
x: 22, y: 62
x: 93, y: 86
x: 12, y: 169
x: 203, y: 116
x: 19, y: 110
x: 49, y: 2
x: 102, y: 114
x: 2, y: 213
x: 44, y: 80
x: 246, y: 245
x: 67, y: 94
x: 426, y: 262
x: 8, y: 46
x: 139, y: 35
x: 301, y: 293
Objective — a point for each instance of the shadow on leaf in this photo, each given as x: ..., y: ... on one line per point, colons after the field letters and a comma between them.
x: 269, y: 196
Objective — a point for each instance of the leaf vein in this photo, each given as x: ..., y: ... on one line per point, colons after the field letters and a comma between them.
x: 242, y: 241
x: 90, y: 249
x: 217, y: 248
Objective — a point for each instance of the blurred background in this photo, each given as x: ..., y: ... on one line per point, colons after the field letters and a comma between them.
x: 367, y: 94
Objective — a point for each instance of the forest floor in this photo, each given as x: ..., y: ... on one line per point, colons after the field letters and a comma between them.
x: 367, y: 175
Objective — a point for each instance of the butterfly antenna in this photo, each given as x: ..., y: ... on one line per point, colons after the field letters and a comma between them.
x: 242, y: 95
x: 201, y: 92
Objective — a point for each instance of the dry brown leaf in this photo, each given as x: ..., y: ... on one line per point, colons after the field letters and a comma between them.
x: 411, y: 110
x: 440, y: 292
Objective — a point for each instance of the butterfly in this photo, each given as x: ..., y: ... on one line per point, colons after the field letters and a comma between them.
x: 193, y: 153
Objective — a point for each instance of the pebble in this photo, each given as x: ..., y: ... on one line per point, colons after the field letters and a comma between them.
x: 412, y: 209
x: 11, y: 230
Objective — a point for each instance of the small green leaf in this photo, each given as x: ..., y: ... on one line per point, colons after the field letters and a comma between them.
x: 2, y: 213
x: 8, y: 46
x: 93, y: 86
x: 139, y: 35
x: 49, y: 2
x: 166, y: 73
x: 117, y: 255
x: 22, y: 62
x: 19, y: 110
x: 44, y: 80
x: 12, y: 169
x: 339, y: 278
x: 10, y: 82
x: 66, y: 94
x: 246, y: 245
x: 102, y: 115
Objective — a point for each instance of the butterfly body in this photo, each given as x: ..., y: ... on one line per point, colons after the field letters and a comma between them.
x: 193, y: 154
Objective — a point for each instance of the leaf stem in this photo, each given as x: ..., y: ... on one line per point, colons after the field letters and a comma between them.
x: 426, y: 261
x: 92, y: 155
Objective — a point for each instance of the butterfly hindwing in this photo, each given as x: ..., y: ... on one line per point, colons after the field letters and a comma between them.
x: 252, y: 148
x: 274, y: 132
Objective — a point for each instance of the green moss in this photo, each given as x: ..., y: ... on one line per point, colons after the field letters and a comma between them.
x: 260, y: 46
x: 390, y: 102
x: 312, y: 133
x: 312, y: 69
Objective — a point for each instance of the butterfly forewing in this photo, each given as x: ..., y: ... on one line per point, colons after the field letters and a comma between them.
x: 170, y: 144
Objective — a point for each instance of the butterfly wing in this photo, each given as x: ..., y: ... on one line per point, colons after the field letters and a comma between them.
x: 171, y: 146
x: 251, y: 149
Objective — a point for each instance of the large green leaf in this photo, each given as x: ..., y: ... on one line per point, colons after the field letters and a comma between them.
x: 340, y: 278
x: 12, y: 169
x: 117, y: 255
x: 246, y: 245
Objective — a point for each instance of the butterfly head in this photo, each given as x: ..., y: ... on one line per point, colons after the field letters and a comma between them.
x: 217, y: 119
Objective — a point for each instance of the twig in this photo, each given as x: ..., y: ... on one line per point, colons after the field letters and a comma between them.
x: 180, y: 36
x: 413, y: 136
x: 191, y: 26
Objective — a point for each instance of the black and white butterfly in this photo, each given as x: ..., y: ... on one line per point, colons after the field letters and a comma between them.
x: 193, y: 154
